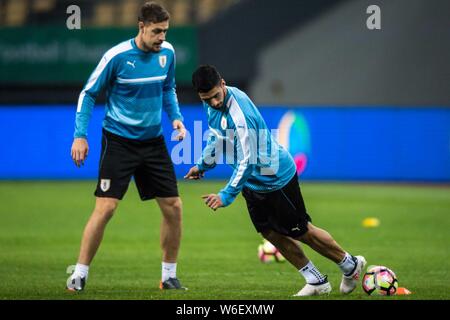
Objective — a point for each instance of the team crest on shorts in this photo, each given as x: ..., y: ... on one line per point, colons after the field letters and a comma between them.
x: 105, y: 184
x: 162, y: 61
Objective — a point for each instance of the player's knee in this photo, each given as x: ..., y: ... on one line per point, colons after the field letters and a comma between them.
x: 173, y: 204
x: 305, y: 238
x: 105, y: 208
x: 172, y: 209
x: 309, y: 235
x: 177, y: 205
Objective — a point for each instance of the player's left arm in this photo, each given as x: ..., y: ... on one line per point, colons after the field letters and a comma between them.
x: 240, y: 175
x: 243, y: 142
x: 170, y: 101
x: 207, y: 161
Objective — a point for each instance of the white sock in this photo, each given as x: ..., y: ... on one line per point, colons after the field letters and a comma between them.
x: 169, y: 270
x: 81, y: 270
x: 312, y: 274
x: 347, y: 265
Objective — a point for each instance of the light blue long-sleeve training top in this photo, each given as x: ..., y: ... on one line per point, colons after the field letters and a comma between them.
x: 240, y: 132
x: 138, y: 86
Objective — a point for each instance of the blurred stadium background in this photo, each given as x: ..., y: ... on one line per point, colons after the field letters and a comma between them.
x: 370, y: 107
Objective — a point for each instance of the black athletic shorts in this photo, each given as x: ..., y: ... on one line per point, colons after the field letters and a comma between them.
x: 282, y: 211
x: 147, y: 160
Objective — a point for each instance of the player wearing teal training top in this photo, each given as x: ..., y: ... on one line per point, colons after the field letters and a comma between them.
x: 139, y: 78
x: 265, y: 173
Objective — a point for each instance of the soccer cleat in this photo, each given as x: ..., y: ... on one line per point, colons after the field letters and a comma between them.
x: 171, y: 283
x: 314, y: 289
x: 76, y: 283
x: 349, y: 283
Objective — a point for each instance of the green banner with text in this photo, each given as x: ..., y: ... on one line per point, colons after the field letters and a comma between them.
x: 49, y: 55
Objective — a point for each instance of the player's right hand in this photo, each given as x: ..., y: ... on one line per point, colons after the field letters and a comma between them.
x: 80, y: 150
x: 194, y: 174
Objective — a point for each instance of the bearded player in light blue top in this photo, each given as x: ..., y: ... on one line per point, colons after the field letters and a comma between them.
x: 139, y: 77
x: 265, y: 173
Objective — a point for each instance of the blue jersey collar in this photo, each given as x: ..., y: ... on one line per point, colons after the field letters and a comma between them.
x: 134, y: 45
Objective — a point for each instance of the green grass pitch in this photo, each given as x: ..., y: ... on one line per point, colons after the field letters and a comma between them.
x: 41, y: 225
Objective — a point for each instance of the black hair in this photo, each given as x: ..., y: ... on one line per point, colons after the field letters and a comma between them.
x: 153, y: 12
x: 205, y: 78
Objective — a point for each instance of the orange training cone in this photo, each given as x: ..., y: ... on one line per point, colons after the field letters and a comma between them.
x: 401, y: 291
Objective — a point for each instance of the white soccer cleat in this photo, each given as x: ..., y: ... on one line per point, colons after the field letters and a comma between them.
x: 349, y: 283
x: 314, y: 290
x: 76, y: 283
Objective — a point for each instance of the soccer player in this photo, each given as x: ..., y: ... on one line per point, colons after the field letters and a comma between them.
x: 139, y: 76
x: 268, y: 181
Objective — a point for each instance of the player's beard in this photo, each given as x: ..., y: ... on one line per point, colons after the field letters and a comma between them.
x: 220, y: 106
x: 156, y: 47
x: 152, y: 47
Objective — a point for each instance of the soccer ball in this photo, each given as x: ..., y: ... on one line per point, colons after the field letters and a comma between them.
x: 380, y: 280
x: 268, y: 253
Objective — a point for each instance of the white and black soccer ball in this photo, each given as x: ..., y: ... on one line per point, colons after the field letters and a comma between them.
x: 380, y: 280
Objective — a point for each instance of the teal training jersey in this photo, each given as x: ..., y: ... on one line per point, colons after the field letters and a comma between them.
x: 239, y: 132
x: 138, y: 86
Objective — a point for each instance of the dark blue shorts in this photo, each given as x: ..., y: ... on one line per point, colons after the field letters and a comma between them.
x: 148, y: 161
x: 282, y: 210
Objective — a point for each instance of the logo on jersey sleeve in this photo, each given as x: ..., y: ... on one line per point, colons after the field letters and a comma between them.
x: 162, y: 61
